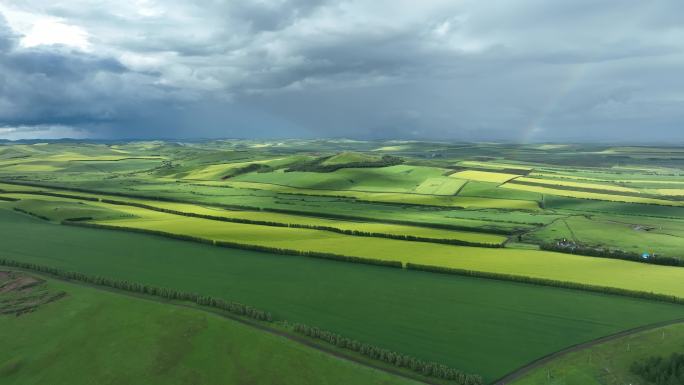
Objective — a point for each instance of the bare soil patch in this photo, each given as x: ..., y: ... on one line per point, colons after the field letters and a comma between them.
x: 21, y: 293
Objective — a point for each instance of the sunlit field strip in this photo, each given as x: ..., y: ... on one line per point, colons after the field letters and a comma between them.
x: 591, y: 195
x: 617, y: 178
x: 369, y: 227
x: 597, y: 186
x: 541, y: 264
x: 484, y: 176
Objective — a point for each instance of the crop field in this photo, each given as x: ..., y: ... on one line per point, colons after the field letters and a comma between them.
x: 593, y: 186
x: 407, y: 198
x: 484, y: 176
x: 60, y: 208
x: 159, y: 343
x: 592, y: 195
x: 440, y: 186
x: 504, y: 320
x: 538, y: 264
x: 479, y: 257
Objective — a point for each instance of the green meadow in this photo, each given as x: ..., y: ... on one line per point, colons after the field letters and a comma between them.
x: 154, y: 343
x: 608, y: 362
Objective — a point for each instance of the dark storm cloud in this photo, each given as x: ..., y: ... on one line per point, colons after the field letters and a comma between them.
x: 510, y: 70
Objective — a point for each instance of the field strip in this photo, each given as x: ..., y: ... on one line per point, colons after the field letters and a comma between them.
x: 533, y: 263
x: 484, y: 176
x: 603, y: 180
x: 517, y: 374
x: 32, y: 187
x: 337, y: 353
x: 367, y: 229
x: 592, y: 195
x: 402, y: 198
x: 579, y: 185
x: 539, y: 264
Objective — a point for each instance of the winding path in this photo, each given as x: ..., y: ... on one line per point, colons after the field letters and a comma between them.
x: 520, y: 372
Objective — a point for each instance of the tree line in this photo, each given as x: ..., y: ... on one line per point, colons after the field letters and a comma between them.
x: 163, y: 292
x: 243, y: 246
x: 548, y: 282
x: 429, y: 369
x: 660, y: 370
x: 614, y: 254
x: 31, y: 214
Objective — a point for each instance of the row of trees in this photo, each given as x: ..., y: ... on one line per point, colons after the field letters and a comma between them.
x: 425, y: 368
x: 430, y: 369
x: 235, y: 245
x: 31, y: 214
x: 609, y: 253
x: 548, y: 282
x: 8, y: 199
x: 661, y: 370
x: 171, y: 294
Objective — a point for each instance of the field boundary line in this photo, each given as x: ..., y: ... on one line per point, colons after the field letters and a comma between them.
x: 520, y: 372
x: 309, y: 342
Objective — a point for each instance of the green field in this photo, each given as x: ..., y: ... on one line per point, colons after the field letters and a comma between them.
x: 60, y: 208
x: 89, y: 330
x: 504, y: 320
x: 638, y: 235
x: 484, y: 176
x: 532, y: 263
x: 378, y: 200
x: 593, y: 195
x: 608, y: 363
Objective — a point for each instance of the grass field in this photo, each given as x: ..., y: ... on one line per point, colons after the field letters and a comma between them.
x: 481, y: 326
x: 89, y: 330
x: 608, y: 363
x: 440, y: 186
x: 400, y: 178
x: 663, y: 237
x: 59, y: 210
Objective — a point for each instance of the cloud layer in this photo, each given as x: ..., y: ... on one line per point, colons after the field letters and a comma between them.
x: 524, y: 70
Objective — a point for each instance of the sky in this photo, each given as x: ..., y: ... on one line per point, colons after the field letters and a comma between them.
x: 498, y: 70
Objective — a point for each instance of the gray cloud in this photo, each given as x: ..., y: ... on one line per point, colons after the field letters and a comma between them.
x: 523, y: 70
